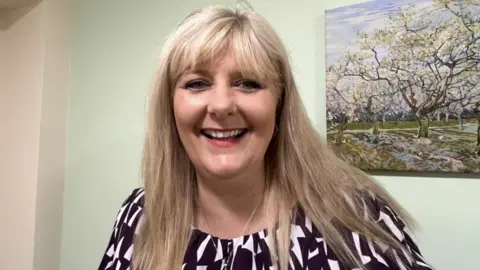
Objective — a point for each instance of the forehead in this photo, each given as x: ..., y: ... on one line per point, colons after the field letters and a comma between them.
x: 227, y: 61
x: 220, y: 63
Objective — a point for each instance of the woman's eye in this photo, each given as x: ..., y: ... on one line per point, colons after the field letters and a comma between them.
x: 250, y: 85
x: 196, y: 85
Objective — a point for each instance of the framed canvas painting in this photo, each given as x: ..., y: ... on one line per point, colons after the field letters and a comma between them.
x: 403, y: 85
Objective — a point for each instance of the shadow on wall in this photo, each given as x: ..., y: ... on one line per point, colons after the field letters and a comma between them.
x: 9, y: 15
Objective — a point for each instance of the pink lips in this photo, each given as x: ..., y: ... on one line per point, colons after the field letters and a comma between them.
x: 222, y: 142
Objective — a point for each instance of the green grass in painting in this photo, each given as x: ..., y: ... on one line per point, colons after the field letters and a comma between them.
x: 447, y: 149
x: 406, y: 124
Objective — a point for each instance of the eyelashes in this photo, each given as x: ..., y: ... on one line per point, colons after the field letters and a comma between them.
x: 249, y: 84
x: 199, y: 85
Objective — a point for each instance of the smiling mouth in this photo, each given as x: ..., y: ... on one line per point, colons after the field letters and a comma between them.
x: 224, y: 135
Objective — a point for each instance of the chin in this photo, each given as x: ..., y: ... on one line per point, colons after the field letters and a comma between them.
x: 224, y: 173
x: 220, y: 168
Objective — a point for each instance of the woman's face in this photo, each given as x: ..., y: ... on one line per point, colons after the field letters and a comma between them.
x: 225, y: 121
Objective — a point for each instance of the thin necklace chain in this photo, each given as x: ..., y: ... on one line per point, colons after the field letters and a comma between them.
x: 233, y: 244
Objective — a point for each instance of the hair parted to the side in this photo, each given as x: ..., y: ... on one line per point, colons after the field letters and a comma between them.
x: 301, y: 170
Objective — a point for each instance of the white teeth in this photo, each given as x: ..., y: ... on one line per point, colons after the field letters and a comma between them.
x: 221, y: 134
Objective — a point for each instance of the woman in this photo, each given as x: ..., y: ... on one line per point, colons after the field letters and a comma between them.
x: 236, y: 177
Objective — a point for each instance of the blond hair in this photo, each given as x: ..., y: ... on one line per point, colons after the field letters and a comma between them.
x: 301, y: 170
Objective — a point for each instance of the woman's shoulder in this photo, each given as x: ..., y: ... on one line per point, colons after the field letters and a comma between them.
x: 119, y: 249
x: 373, y: 208
x: 394, y: 223
x: 136, y: 197
x: 130, y: 212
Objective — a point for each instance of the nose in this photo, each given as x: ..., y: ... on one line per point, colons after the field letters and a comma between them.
x: 222, y: 101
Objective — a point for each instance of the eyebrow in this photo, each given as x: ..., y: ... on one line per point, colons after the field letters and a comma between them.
x: 207, y: 73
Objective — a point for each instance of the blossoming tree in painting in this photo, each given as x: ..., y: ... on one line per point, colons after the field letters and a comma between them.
x: 417, y: 64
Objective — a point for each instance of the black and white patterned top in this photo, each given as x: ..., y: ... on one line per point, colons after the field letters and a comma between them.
x: 308, y: 249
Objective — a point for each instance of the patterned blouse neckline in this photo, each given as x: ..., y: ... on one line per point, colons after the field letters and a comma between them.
x: 262, y: 234
x: 308, y: 249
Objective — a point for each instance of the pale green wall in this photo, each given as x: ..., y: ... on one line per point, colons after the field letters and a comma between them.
x: 114, y: 47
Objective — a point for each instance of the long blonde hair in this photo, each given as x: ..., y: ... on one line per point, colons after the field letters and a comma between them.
x: 301, y: 170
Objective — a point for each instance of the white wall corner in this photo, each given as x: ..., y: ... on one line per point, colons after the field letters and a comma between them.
x: 51, y: 167
x: 34, y: 84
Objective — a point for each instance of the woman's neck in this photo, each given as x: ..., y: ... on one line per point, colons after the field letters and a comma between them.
x: 227, y: 205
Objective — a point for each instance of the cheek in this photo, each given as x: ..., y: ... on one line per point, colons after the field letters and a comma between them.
x: 186, y: 111
x: 261, y: 113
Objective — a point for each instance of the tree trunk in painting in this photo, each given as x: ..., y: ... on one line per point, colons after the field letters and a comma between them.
x: 374, y: 118
x: 341, y: 128
x: 447, y: 115
x: 478, y: 138
x: 460, y: 120
x: 476, y: 113
x: 424, y: 127
x: 398, y: 117
x: 384, y: 116
x: 439, y: 114
x: 375, y: 129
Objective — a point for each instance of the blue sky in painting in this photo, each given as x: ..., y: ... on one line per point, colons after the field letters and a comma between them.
x: 343, y: 23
